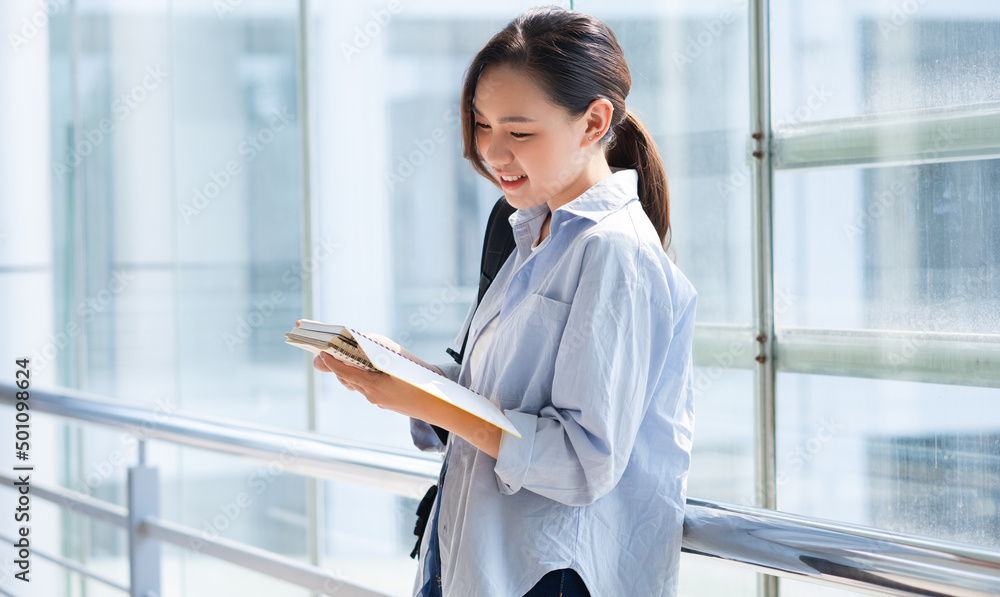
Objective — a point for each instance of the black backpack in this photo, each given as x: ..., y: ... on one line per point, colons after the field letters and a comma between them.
x: 497, y: 246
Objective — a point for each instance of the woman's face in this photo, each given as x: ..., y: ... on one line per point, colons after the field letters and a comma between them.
x: 535, y: 150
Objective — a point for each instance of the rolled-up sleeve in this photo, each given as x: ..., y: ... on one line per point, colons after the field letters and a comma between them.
x: 610, y: 355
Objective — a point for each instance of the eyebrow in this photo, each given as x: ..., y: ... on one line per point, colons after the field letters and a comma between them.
x: 505, y: 119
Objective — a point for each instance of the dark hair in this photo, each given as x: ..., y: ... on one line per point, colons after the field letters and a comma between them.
x: 575, y: 59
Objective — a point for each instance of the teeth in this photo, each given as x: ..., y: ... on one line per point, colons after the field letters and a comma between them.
x: 513, y: 178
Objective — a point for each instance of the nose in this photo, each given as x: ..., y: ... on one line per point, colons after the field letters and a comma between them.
x: 496, y: 153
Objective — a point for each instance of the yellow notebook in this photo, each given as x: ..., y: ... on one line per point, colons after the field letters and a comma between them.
x: 354, y: 348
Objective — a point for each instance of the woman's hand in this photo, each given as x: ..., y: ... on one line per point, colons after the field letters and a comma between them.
x: 381, y: 389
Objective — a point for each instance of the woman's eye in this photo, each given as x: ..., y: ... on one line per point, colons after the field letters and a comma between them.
x: 483, y: 126
x: 520, y: 135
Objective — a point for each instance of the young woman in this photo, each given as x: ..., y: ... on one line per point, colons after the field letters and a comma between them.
x: 583, y: 339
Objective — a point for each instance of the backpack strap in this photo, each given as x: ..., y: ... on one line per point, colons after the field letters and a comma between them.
x: 497, y: 246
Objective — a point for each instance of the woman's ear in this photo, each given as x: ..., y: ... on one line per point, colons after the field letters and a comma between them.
x: 598, y: 119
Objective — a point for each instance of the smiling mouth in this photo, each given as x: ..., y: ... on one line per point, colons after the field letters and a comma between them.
x: 513, y: 178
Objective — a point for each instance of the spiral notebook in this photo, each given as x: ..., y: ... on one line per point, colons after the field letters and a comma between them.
x: 354, y: 348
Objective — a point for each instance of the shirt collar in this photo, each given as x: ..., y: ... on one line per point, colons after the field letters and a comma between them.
x: 596, y: 203
x: 604, y: 198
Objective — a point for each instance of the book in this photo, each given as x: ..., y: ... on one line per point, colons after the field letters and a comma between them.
x: 354, y: 348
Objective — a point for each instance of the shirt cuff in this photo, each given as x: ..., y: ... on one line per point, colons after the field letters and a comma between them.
x: 514, y: 456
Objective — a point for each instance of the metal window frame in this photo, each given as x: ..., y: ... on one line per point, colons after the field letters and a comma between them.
x: 897, y: 139
x: 316, y: 528
x: 762, y: 270
x: 971, y: 360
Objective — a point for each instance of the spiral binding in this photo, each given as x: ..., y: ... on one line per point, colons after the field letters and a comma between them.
x: 344, y: 349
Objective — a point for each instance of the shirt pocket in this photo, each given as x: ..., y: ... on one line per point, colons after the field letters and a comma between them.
x: 547, y: 308
x: 531, y: 336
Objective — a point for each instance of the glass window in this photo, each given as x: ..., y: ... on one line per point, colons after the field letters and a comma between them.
x: 798, y: 588
x: 170, y: 263
x: 709, y: 578
x: 913, y: 248
x: 856, y: 58
x: 914, y: 458
x: 888, y: 265
x: 722, y: 461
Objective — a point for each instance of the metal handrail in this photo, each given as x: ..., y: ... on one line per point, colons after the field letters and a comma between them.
x: 824, y: 552
x: 837, y: 554
x: 310, y: 454
x: 67, y: 563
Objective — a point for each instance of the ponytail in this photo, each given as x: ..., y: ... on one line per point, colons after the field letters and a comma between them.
x: 631, y: 146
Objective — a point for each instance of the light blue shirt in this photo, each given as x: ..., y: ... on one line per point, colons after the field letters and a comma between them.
x: 591, y: 361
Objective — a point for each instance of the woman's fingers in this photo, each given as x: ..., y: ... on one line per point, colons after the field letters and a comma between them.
x: 372, y: 385
x: 320, y: 364
x: 347, y: 384
x: 352, y: 377
x: 328, y: 364
x: 329, y: 361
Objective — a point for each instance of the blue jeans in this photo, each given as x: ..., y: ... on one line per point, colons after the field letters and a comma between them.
x: 560, y: 583
x: 432, y: 559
